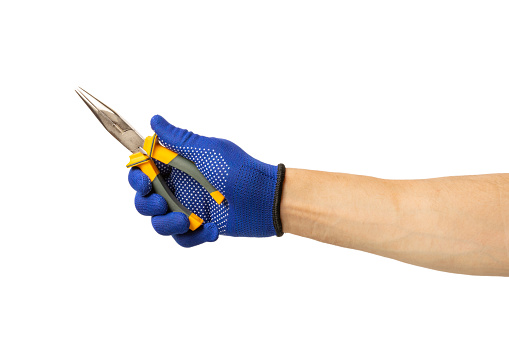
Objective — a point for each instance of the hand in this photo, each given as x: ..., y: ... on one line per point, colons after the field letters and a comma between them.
x: 252, y: 190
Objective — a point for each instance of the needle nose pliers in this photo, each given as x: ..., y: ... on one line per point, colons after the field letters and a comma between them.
x: 144, y: 153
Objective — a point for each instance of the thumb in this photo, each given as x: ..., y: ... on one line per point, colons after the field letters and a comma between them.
x: 170, y: 134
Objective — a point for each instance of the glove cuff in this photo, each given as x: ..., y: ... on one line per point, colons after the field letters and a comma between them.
x: 276, y: 215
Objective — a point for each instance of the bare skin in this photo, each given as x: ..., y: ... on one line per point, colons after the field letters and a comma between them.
x: 452, y: 224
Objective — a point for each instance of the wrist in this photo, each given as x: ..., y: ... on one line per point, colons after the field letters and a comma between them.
x: 300, y: 209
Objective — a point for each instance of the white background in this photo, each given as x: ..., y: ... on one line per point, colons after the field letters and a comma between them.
x: 392, y: 89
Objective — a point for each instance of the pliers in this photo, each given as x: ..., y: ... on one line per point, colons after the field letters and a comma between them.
x: 144, y: 153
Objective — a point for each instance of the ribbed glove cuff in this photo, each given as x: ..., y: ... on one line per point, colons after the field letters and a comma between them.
x: 276, y: 215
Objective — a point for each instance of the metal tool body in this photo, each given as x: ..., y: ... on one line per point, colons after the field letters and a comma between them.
x: 144, y: 153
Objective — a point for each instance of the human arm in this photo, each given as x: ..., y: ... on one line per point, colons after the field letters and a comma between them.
x: 453, y: 224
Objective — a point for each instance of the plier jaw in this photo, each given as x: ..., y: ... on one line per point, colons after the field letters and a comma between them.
x: 113, y: 122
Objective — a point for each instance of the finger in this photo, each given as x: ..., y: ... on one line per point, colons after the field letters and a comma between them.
x: 171, y: 223
x: 170, y: 134
x: 139, y: 181
x: 150, y: 205
x: 207, y: 233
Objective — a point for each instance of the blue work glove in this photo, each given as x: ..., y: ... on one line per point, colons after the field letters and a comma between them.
x: 252, y: 190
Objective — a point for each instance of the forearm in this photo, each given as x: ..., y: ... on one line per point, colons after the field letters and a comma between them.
x: 454, y: 224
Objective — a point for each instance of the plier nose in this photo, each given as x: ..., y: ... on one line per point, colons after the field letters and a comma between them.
x: 112, y: 121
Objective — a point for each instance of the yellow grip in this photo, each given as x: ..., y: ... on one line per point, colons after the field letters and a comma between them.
x: 157, y: 151
x: 144, y: 163
x: 194, y: 221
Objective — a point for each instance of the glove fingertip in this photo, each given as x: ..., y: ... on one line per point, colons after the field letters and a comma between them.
x: 139, y: 181
x: 158, y: 121
x: 170, y: 134
x: 212, y: 231
x: 171, y: 223
x: 151, y: 205
x: 207, y: 233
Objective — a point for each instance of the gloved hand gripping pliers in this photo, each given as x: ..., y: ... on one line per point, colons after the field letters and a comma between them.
x: 144, y: 153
